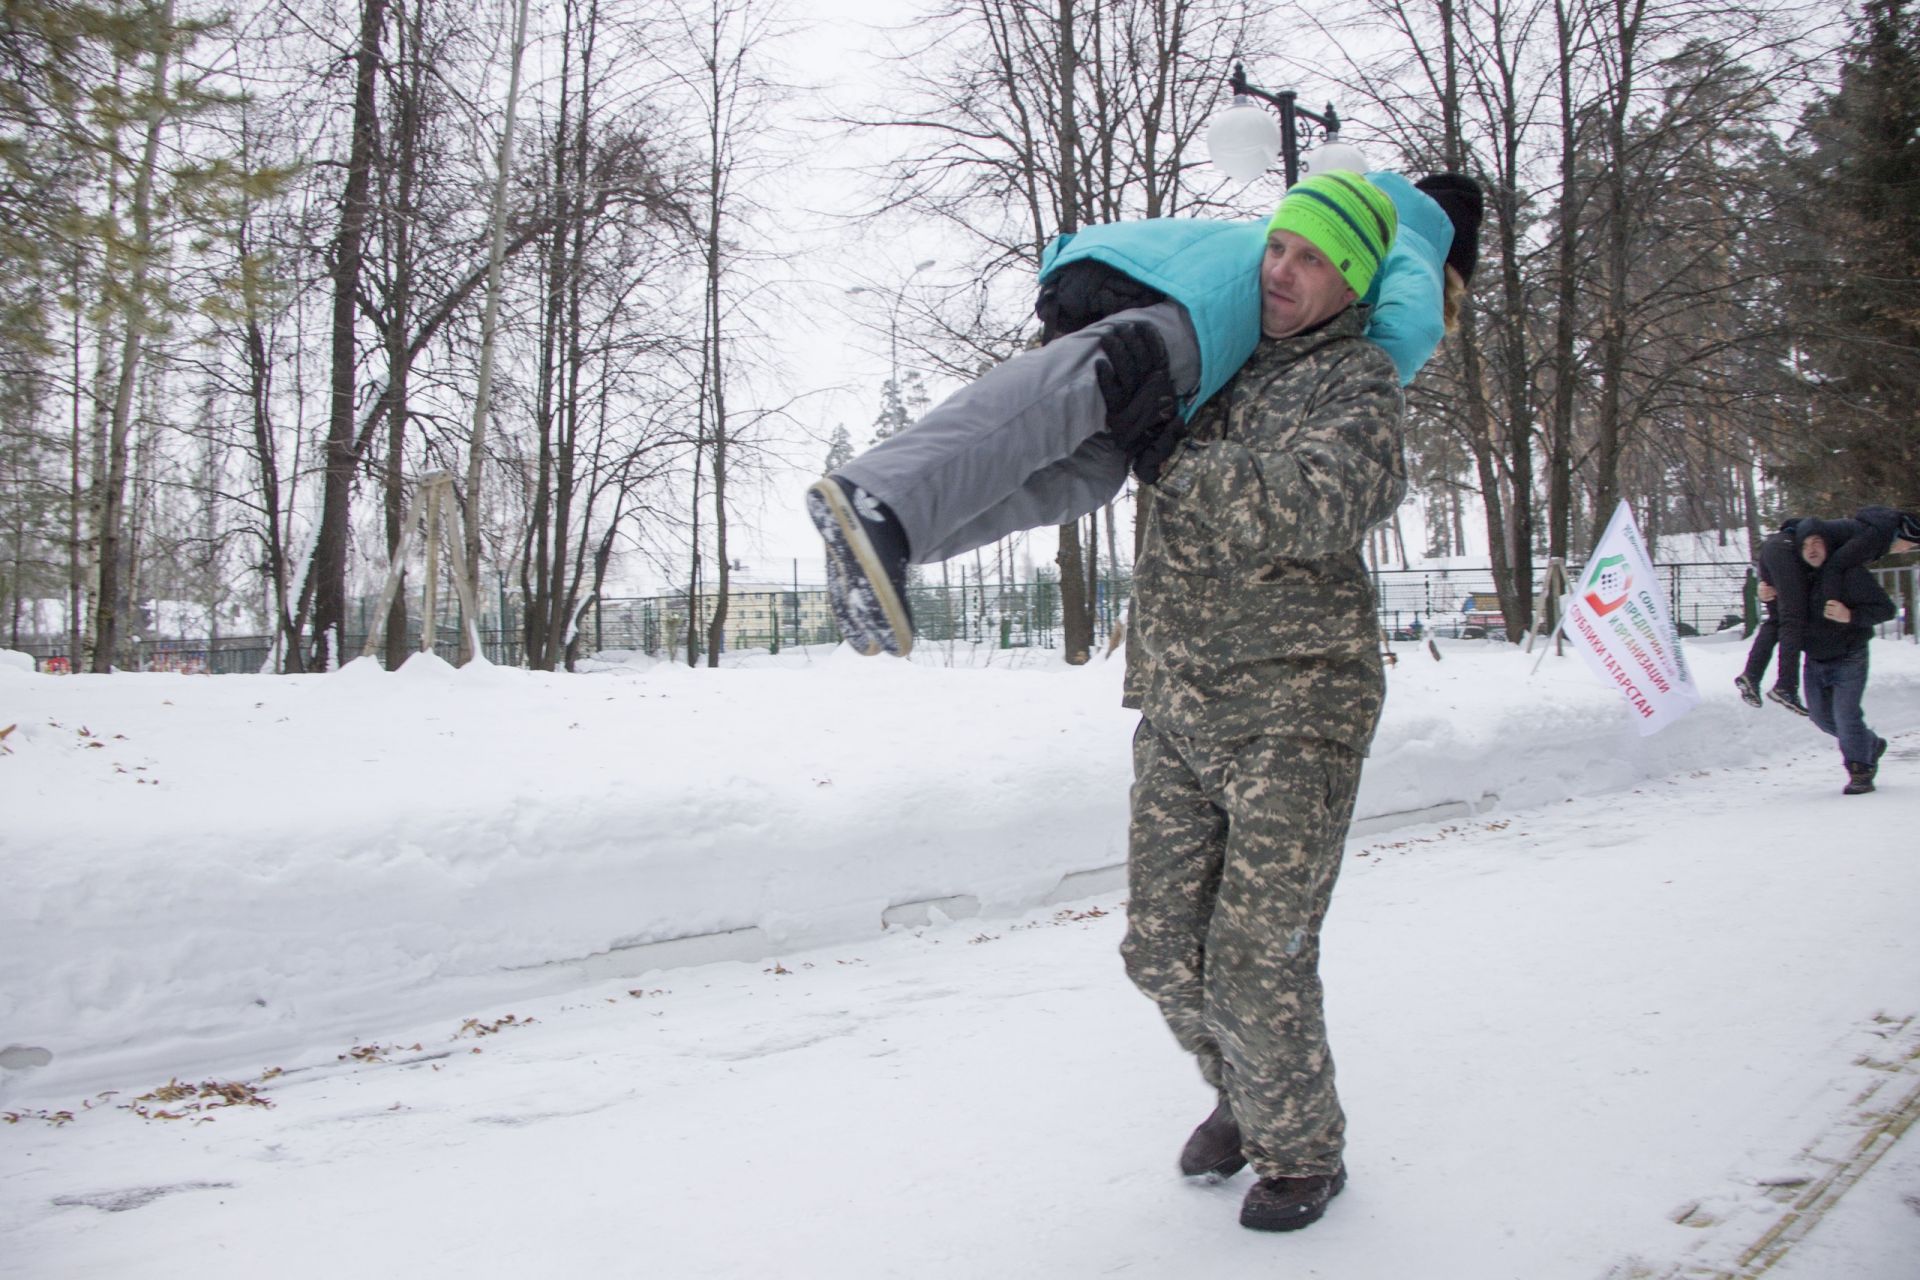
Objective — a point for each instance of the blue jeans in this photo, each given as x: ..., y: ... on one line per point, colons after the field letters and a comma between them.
x: 1833, y: 691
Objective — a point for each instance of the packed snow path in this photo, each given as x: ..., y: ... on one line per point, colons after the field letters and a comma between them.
x: 1613, y: 1037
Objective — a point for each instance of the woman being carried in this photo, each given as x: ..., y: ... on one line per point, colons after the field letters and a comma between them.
x: 1142, y: 322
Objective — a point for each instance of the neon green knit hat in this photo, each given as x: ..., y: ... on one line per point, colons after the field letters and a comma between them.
x: 1345, y: 217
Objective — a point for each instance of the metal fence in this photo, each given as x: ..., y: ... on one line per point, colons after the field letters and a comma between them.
x: 248, y: 654
x: 1703, y: 597
x: 1010, y: 615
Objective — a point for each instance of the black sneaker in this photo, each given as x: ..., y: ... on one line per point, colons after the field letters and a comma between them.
x: 1287, y: 1204
x: 1749, y: 691
x: 866, y: 566
x: 1213, y: 1150
x: 1788, y: 698
x: 1859, y: 779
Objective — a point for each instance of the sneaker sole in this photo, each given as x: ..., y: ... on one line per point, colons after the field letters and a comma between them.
x: 1773, y: 696
x: 851, y: 631
x: 896, y: 637
x: 854, y: 629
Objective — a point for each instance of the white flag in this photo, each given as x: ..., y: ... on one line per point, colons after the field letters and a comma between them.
x: 1618, y: 621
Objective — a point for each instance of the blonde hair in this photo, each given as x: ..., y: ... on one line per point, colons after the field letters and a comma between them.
x: 1454, y: 297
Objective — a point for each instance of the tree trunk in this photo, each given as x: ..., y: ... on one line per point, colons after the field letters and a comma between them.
x: 1611, y: 429
x: 327, y: 571
x: 74, y: 502
x: 1566, y: 302
x: 1076, y: 615
x: 107, y: 597
x: 397, y: 318
x: 259, y: 385
x: 489, y: 323
x: 713, y: 376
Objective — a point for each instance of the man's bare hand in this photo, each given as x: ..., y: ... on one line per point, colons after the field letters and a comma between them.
x: 1767, y: 594
x: 1837, y: 612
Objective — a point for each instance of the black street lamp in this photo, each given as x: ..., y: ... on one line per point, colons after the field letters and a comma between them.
x: 1244, y: 139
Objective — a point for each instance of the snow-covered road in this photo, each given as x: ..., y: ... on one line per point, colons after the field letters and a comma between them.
x: 1611, y: 1037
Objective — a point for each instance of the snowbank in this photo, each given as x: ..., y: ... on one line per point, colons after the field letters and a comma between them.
x: 200, y: 867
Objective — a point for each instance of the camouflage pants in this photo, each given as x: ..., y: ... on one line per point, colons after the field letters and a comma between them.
x: 1234, y: 850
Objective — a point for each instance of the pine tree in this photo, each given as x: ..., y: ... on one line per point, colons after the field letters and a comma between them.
x: 1857, y: 290
x: 893, y: 417
x: 839, y: 449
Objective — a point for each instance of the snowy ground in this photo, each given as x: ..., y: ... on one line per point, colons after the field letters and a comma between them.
x: 1604, y: 1007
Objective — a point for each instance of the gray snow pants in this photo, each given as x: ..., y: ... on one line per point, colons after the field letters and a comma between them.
x: 1021, y: 447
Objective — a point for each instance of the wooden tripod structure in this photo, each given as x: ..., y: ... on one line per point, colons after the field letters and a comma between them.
x: 1553, y: 610
x: 433, y: 503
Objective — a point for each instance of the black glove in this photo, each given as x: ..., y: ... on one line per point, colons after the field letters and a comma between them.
x: 1084, y: 291
x: 1143, y: 410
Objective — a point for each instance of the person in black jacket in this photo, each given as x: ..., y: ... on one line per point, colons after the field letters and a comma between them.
x: 1783, y: 592
x: 1841, y: 616
x: 1785, y: 586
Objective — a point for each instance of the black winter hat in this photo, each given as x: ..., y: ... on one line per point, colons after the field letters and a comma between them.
x: 1459, y: 198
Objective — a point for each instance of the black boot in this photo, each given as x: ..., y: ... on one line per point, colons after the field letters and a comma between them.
x: 866, y: 566
x: 1859, y: 779
x: 1287, y: 1204
x: 1213, y: 1150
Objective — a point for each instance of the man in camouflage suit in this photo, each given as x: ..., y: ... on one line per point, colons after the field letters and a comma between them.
x: 1256, y: 666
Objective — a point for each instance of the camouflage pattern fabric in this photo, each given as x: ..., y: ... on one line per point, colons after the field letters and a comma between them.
x: 1235, y: 849
x: 1255, y: 661
x: 1253, y: 610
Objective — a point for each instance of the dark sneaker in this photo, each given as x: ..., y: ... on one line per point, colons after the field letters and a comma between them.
x: 1859, y: 779
x: 1788, y: 698
x: 1873, y: 766
x: 866, y: 566
x: 1213, y: 1150
x: 1749, y: 691
x: 1287, y: 1204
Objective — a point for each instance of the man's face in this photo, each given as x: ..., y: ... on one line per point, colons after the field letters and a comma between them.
x: 1814, y: 550
x: 1299, y: 287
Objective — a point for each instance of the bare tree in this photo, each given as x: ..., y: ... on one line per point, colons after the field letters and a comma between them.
x: 1029, y: 119
x: 729, y: 93
x: 326, y: 580
x: 611, y: 211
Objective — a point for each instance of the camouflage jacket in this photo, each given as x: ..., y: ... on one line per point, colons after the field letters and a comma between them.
x: 1253, y: 612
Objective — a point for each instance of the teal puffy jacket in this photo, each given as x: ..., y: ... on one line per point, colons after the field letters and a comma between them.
x: 1212, y: 268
